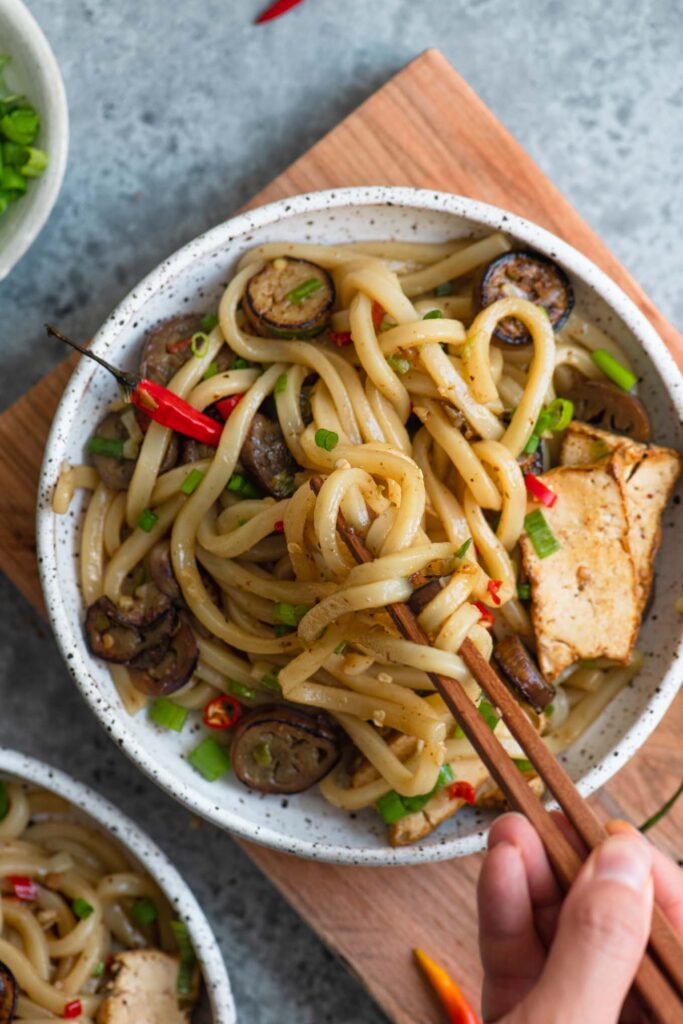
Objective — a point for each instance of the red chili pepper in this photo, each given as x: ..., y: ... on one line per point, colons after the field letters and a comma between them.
x: 377, y: 315
x: 486, y: 617
x: 493, y: 586
x: 339, y: 338
x: 226, y: 405
x: 277, y: 9
x: 73, y: 1009
x: 222, y: 712
x: 538, y: 490
x: 462, y: 791
x: 279, y: 526
x: 178, y: 346
x: 24, y: 887
x: 456, y: 1006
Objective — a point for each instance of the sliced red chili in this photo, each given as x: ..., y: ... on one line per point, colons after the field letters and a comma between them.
x: 279, y: 526
x: 377, y: 315
x: 462, y: 791
x: 538, y: 490
x: 493, y: 586
x: 227, y: 405
x: 340, y: 338
x: 276, y: 10
x: 222, y: 712
x: 178, y: 346
x: 24, y: 887
x: 486, y: 616
x: 73, y: 1009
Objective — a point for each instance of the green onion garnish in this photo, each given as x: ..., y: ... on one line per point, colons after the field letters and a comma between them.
x: 269, y: 680
x: 463, y: 549
x: 199, y: 344
x: 21, y: 125
x: 556, y: 416
x: 433, y: 314
x: 550, y: 709
x: 12, y: 180
x: 289, y: 614
x: 664, y: 809
x: 187, y: 957
x: 111, y: 446
x: 4, y: 801
x: 210, y: 759
x: 532, y: 444
x: 35, y: 164
x: 240, y: 485
x: 398, y: 365
x: 542, y: 538
x: 210, y: 371
x: 524, y: 766
x: 488, y: 713
x: 326, y: 439
x: 82, y: 908
x: 340, y: 648
x: 524, y: 591
x: 303, y: 290
x: 240, y: 364
x: 240, y: 690
x: 144, y: 911
x: 613, y: 369
x: 148, y: 520
x: 447, y: 288
x: 280, y: 384
x: 99, y: 969
x: 393, y: 807
x: 208, y: 322
x: 168, y: 715
x: 281, y: 630
x: 192, y: 481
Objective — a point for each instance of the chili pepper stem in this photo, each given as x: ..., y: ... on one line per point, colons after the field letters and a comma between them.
x: 128, y: 381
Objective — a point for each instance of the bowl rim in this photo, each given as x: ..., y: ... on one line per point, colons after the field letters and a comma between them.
x: 69, y: 639
x: 39, y: 206
x: 25, y: 768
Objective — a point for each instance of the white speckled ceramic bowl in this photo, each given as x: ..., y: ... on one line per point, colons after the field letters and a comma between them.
x: 33, y: 71
x: 216, y: 1006
x: 193, y: 278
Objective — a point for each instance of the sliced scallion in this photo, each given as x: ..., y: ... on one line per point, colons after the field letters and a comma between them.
x: 210, y: 759
x: 280, y: 384
x: 488, y: 713
x: 240, y: 690
x: 111, y: 446
x: 327, y: 439
x: 188, y: 958
x: 433, y: 314
x: 463, y: 549
x: 98, y: 970
x: 524, y: 765
x: 303, y: 290
x: 192, y: 481
x: 199, y: 344
x: 447, y: 288
x: 270, y: 681
x: 524, y: 591
x: 240, y: 485
x: 340, y: 648
x: 210, y: 371
x: 398, y: 365
x: 144, y: 911
x: 542, y: 538
x: 168, y: 715
x: 613, y: 369
x: 147, y: 520
x: 82, y: 908
x: 289, y: 614
x: 208, y: 322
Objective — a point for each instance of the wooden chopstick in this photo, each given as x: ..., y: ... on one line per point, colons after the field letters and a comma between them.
x: 663, y: 995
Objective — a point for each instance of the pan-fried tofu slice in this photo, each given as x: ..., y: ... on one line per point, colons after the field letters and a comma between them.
x: 647, y: 475
x: 143, y: 989
x: 584, y: 596
x: 490, y: 796
x: 419, y: 825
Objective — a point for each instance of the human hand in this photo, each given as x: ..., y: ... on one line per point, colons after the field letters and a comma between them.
x: 554, y: 960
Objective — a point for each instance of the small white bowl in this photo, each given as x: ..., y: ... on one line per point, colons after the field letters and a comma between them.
x: 194, y: 278
x: 18, y: 767
x: 33, y: 71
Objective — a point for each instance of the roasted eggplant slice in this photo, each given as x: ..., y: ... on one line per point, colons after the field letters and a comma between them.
x: 9, y: 994
x: 167, y: 347
x: 279, y: 749
x: 267, y: 459
x: 161, y: 570
x: 520, y: 669
x: 108, y: 446
x: 606, y: 406
x: 524, y: 275
x: 168, y: 667
x: 113, y: 635
x: 289, y: 298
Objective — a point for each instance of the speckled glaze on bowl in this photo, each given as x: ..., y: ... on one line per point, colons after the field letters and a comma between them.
x: 216, y: 1006
x: 193, y: 278
x: 33, y: 71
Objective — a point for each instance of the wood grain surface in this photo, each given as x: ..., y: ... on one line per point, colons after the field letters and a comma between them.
x: 425, y: 128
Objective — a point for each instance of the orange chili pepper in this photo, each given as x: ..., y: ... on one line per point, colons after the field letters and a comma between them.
x: 377, y: 315
x: 456, y: 1006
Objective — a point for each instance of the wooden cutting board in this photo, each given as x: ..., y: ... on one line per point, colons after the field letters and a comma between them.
x: 425, y: 128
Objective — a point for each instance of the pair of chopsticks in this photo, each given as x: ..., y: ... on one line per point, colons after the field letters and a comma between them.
x: 659, y: 981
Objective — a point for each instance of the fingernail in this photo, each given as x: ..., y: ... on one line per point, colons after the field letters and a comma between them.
x: 625, y: 860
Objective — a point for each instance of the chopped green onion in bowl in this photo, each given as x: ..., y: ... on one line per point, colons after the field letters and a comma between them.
x: 19, y: 159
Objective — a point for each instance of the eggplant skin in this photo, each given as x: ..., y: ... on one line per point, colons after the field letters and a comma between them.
x: 9, y: 994
x: 522, y: 672
x: 271, y: 312
x: 529, y: 275
x: 282, y: 749
x: 606, y: 406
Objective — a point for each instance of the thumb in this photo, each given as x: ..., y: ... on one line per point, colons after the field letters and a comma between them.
x: 602, y: 933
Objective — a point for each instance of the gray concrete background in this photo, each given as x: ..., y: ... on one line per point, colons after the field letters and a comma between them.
x: 180, y: 112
